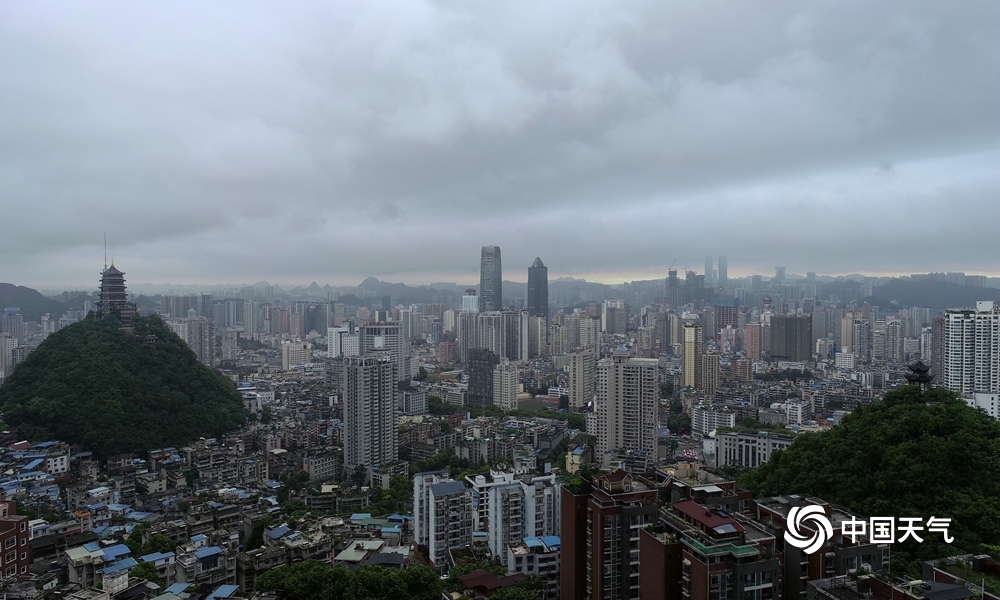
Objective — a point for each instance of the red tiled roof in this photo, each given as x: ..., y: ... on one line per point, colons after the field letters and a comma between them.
x: 705, y: 516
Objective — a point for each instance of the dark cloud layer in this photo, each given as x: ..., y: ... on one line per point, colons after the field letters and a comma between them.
x: 247, y: 141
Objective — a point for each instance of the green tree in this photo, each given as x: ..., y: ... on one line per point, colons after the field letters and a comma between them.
x: 422, y: 583
x: 516, y: 593
x: 421, y: 374
x: 564, y: 402
x: 910, y: 454
x: 359, y: 476
x: 158, y: 543
x: 265, y: 415
x: 376, y: 583
x: 146, y: 571
x: 256, y: 538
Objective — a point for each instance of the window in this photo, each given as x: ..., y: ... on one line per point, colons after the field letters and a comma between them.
x: 9, y: 542
x: 24, y: 555
x: 10, y: 557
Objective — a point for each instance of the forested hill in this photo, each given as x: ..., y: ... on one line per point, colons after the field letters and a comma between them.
x: 906, y: 455
x: 31, y: 303
x: 94, y: 384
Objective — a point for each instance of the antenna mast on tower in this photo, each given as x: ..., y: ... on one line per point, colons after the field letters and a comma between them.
x: 105, y: 250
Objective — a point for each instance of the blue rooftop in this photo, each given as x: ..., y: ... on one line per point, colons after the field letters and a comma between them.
x: 121, y: 565
x: 155, y: 556
x: 45, y: 444
x: 578, y: 451
x: 178, y: 588
x: 92, y: 547
x: 277, y: 532
x: 207, y: 552
x: 198, y: 538
x: 116, y: 551
x: 224, y: 591
x: 552, y: 541
x: 532, y: 542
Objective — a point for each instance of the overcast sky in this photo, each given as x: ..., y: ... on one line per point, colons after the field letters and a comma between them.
x: 298, y: 142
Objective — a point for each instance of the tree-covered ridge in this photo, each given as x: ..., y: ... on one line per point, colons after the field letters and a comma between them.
x: 95, y: 384
x: 907, y: 455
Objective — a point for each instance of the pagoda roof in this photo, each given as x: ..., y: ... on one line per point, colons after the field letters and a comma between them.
x: 112, y: 270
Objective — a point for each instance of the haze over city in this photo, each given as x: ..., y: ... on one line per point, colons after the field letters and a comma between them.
x: 239, y: 143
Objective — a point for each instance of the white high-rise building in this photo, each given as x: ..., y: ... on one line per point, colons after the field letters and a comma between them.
x: 521, y: 507
x: 368, y: 387
x: 334, y: 346
x: 505, y: 385
x: 294, y: 354
x: 386, y: 337
x: 449, y: 521
x: 707, y: 418
x: 582, y: 370
x: 989, y: 403
x: 626, y: 402
x: 972, y: 349
x: 422, y: 483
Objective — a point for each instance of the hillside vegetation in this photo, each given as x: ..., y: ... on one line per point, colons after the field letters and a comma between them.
x: 94, y: 384
x: 906, y: 455
x: 32, y: 304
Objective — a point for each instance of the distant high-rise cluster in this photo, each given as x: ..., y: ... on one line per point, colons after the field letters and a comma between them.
x: 490, y: 280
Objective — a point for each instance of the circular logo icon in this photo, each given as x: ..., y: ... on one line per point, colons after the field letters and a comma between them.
x: 809, y: 541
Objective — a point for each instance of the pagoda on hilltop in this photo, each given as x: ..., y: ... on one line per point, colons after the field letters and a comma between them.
x: 919, y: 375
x: 113, y: 299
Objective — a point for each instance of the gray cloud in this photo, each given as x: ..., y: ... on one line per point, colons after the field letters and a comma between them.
x: 252, y: 141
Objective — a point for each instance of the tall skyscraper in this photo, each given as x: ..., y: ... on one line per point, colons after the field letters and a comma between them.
x: 582, y: 368
x: 691, y: 341
x: 491, y: 280
x: 755, y: 340
x: 368, y: 388
x: 709, y: 270
x: 538, y: 290
x: 779, y: 274
x: 723, y: 271
x: 626, y: 403
x: 386, y: 337
x: 480, y: 369
x: 791, y: 337
x: 972, y: 349
x: 505, y: 385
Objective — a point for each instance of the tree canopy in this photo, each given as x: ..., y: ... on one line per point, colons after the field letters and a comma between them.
x: 906, y: 455
x: 312, y: 580
x: 95, y: 384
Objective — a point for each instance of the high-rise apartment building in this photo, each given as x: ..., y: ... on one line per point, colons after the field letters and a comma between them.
x: 582, y: 373
x: 709, y: 271
x: 755, y: 341
x: 230, y: 344
x: 710, y: 373
x: 505, y: 385
x: 480, y: 369
x: 294, y: 354
x: 449, y: 521
x: 626, y: 403
x: 368, y: 388
x: 791, y: 337
x: 971, y: 358
x: 199, y: 334
x: 422, y: 483
x: 490, y: 280
x: 538, y: 290
x: 386, y: 337
x: 691, y: 344
x: 723, y: 271
x: 600, y: 537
